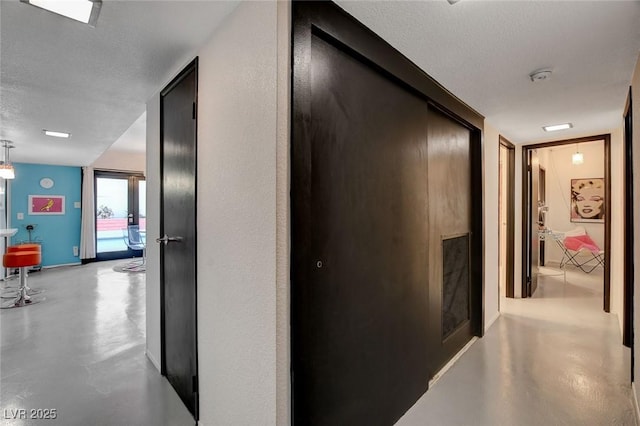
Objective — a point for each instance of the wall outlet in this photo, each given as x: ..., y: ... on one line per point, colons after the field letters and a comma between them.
x: 20, y: 216
x: 75, y: 250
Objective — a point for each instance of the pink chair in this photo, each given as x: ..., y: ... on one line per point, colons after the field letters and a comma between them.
x: 576, y: 242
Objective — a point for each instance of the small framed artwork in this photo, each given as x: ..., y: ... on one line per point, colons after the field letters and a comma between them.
x: 587, y: 200
x: 46, y: 204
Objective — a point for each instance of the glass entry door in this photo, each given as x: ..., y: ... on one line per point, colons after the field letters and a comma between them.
x: 120, y: 202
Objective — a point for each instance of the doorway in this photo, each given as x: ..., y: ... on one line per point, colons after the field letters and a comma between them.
x: 559, y: 214
x: 120, y: 202
x: 506, y: 218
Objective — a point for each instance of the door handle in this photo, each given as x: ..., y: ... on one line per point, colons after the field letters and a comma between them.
x: 166, y: 239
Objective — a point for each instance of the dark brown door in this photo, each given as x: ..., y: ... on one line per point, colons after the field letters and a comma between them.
x: 178, y: 235
x: 361, y: 310
x: 534, y: 213
x: 449, y: 237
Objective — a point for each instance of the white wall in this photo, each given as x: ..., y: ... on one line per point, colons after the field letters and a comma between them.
x: 237, y: 219
x: 617, y: 225
x: 559, y: 172
x: 491, y: 225
x: 153, y: 231
x: 283, y: 230
x: 635, y: 84
x: 113, y: 159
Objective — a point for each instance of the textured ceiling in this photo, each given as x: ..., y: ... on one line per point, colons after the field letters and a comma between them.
x: 484, y: 51
x: 94, y: 82
x: 58, y: 74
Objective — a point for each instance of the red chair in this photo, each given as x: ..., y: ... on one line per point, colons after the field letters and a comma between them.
x: 19, y: 248
x: 21, y: 260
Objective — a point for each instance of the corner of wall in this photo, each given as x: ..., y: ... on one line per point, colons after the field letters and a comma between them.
x: 153, y: 228
x: 491, y: 225
x: 283, y: 223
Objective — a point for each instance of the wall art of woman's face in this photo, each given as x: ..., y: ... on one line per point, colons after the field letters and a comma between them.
x: 587, y: 200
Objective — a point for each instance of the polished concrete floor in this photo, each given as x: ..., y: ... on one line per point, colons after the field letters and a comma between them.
x: 554, y: 359
x: 82, y: 353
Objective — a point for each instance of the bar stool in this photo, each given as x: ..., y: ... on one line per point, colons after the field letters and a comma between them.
x: 20, y: 248
x: 21, y: 260
x: 25, y: 247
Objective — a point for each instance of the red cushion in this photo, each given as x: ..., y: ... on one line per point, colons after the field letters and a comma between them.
x: 24, y: 247
x: 581, y: 242
x: 19, y: 259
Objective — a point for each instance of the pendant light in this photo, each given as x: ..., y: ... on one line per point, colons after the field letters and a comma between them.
x: 578, y: 157
x: 6, y: 168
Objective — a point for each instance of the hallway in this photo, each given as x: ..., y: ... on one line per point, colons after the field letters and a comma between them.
x: 554, y: 359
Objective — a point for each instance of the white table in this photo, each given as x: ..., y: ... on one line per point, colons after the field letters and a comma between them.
x: 8, y: 232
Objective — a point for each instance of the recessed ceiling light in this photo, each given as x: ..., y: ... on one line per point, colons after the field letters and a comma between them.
x: 85, y: 11
x: 556, y: 127
x: 56, y: 134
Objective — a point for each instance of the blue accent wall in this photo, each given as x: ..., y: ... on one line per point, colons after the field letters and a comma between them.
x: 58, y: 233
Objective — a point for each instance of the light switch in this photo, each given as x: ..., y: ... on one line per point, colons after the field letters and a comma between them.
x: 77, y: 204
x: 20, y: 216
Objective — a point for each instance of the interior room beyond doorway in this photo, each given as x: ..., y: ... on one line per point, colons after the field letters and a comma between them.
x: 572, y: 208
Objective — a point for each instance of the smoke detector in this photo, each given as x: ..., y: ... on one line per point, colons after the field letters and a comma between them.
x: 540, y: 75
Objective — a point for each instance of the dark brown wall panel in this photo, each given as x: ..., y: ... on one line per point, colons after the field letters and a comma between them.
x: 450, y: 211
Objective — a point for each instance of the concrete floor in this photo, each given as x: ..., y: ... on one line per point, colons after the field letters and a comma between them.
x: 556, y: 359
x: 81, y: 352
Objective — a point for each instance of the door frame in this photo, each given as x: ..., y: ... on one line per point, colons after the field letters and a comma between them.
x: 132, y: 178
x: 192, y: 66
x: 627, y: 329
x: 607, y: 208
x: 511, y: 216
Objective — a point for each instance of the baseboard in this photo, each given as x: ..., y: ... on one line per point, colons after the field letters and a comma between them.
x: 636, y: 406
x: 61, y: 265
x: 155, y: 363
x: 489, y: 323
x: 451, y: 362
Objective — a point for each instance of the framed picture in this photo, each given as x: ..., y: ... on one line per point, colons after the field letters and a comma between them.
x: 587, y: 200
x: 46, y: 204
